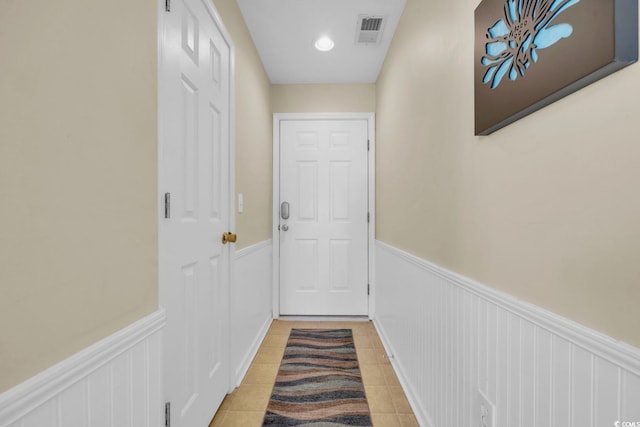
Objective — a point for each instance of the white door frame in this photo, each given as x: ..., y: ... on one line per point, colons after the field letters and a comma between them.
x: 163, y: 111
x: 371, y: 164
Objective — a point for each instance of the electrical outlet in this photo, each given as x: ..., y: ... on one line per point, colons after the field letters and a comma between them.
x: 486, y: 409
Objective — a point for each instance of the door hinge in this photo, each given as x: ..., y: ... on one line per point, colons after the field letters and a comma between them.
x: 368, y: 145
x: 368, y: 217
x: 167, y: 414
x: 167, y: 205
x: 167, y: 5
x: 368, y: 289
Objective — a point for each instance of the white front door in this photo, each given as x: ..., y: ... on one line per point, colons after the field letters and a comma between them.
x: 194, y: 171
x: 323, y: 243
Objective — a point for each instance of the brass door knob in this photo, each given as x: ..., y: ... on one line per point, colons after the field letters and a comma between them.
x: 229, y: 238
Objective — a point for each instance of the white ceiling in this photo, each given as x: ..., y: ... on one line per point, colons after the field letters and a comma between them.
x: 284, y: 32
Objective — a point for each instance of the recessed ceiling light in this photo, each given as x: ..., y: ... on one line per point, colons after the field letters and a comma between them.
x: 324, y: 44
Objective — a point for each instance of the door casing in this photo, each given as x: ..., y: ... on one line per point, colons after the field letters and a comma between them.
x: 371, y: 127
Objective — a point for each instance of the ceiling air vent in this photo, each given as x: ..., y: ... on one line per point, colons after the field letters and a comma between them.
x: 369, y: 29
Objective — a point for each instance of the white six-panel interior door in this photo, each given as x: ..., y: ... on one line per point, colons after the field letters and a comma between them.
x: 195, y: 96
x: 323, y: 244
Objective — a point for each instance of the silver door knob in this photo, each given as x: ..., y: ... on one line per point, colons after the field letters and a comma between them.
x: 285, y: 227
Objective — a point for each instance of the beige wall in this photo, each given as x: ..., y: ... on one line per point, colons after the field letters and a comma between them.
x: 253, y: 130
x: 323, y: 98
x: 78, y: 177
x: 546, y: 209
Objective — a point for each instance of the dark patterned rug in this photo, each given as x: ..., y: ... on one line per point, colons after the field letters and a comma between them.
x: 319, y: 382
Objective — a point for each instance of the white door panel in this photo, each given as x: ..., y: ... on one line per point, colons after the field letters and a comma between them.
x: 194, y: 169
x: 323, y: 252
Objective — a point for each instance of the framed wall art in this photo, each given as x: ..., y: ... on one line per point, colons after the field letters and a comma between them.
x: 530, y: 53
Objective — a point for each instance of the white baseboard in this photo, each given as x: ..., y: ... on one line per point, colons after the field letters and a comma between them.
x: 450, y: 337
x: 115, y: 380
x: 251, y: 299
x: 405, y: 380
x: 243, y: 367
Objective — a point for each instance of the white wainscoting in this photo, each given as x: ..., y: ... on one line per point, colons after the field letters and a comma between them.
x: 115, y: 382
x: 251, y: 301
x: 450, y: 337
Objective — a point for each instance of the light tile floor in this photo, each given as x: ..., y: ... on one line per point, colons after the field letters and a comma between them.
x: 245, y: 407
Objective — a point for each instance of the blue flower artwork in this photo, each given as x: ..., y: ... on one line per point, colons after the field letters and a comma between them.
x: 513, y: 42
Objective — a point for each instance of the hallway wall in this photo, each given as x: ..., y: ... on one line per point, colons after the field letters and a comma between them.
x: 78, y: 177
x: 253, y: 130
x: 450, y: 339
x: 251, y: 287
x: 323, y: 98
x: 545, y: 209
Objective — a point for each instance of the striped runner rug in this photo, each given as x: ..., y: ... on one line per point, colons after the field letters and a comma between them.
x: 319, y: 382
